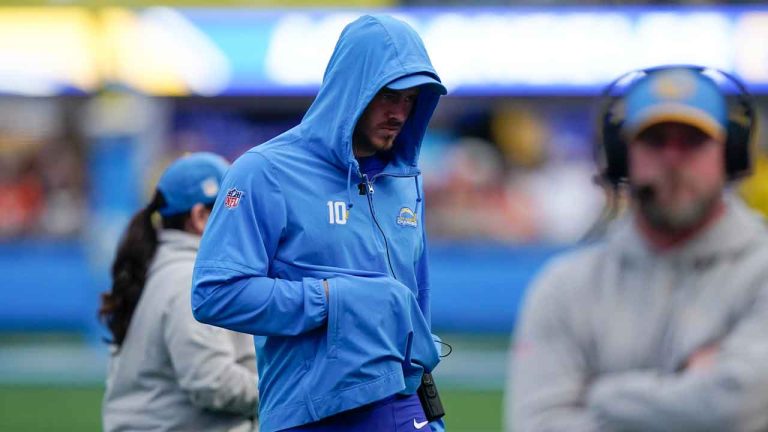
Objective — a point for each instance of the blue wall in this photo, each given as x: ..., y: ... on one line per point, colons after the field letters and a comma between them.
x: 478, y: 287
x: 46, y: 286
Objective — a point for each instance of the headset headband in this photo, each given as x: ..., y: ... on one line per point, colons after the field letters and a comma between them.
x: 611, y: 150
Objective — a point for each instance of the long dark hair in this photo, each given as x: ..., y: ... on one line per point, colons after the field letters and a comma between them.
x: 129, y: 270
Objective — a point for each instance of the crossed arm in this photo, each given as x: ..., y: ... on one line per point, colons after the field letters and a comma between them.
x: 722, y: 387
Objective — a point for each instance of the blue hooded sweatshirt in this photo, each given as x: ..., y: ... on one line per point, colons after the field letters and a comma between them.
x: 291, y: 214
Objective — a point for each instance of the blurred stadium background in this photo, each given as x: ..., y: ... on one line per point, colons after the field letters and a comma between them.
x: 96, y: 98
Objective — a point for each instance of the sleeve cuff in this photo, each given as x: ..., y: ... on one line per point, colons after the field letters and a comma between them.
x: 316, y: 301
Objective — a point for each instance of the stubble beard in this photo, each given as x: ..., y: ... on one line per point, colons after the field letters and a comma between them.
x: 372, y: 145
x: 676, y: 219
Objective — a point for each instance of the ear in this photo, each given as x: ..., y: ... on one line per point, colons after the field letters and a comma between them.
x: 198, y: 217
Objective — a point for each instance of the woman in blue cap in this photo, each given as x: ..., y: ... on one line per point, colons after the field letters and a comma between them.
x: 168, y: 371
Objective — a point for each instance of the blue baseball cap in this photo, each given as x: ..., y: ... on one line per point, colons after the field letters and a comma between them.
x: 191, y: 179
x: 416, y: 80
x: 677, y: 95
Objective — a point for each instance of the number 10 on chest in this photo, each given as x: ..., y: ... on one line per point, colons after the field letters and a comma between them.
x: 337, y: 212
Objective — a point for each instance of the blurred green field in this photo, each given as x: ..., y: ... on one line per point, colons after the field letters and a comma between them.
x: 69, y: 409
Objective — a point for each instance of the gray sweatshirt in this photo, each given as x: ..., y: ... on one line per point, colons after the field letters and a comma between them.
x: 606, y: 332
x: 173, y: 373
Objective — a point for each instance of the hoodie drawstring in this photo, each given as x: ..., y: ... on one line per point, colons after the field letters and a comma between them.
x: 349, y: 189
x: 418, y: 194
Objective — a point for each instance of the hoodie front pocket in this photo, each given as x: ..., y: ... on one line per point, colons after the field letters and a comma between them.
x: 333, y: 319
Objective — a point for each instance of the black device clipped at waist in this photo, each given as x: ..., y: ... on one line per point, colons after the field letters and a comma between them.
x: 429, y: 398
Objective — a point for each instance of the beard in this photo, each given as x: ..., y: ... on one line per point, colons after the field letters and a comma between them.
x: 368, y: 144
x: 675, y: 217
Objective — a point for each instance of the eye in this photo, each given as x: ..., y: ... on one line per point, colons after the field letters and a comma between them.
x: 652, y: 138
x: 685, y: 136
x: 388, y: 96
x: 696, y: 138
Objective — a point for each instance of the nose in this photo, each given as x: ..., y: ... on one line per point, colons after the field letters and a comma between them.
x: 400, y: 111
x: 673, y: 150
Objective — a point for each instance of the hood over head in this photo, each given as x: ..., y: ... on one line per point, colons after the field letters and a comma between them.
x: 371, y: 52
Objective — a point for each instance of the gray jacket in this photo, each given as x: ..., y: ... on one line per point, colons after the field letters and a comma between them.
x: 606, y: 332
x: 173, y: 373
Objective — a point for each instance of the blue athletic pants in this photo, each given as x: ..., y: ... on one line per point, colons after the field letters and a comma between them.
x: 399, y: 413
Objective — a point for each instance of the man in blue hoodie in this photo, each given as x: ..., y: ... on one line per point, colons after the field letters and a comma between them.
x: 317, y: 245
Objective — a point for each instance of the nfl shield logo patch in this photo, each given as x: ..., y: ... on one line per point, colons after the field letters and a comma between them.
x: 232, y: 199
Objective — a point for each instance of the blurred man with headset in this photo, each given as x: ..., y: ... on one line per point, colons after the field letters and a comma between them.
x: 662, y: 325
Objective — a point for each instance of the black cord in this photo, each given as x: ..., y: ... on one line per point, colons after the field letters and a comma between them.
x: 450, y: 349
x: 608, y: 214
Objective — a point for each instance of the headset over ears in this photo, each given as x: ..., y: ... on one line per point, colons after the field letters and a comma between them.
x: 612, y: 154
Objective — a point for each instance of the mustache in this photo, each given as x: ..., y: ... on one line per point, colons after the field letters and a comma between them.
x: 647, y: 191
x: 392, y: 123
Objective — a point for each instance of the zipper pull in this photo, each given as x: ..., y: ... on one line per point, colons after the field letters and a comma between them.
x: 368, y: 184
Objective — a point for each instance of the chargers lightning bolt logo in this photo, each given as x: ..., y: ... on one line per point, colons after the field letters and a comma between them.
x: 407, y: 217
